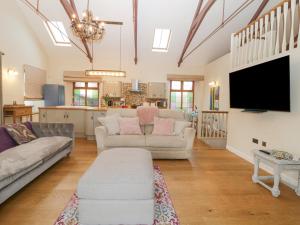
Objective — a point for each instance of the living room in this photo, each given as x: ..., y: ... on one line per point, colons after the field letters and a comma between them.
x: 92, y: 107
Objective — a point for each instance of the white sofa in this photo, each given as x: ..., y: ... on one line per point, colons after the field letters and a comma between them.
x: 161, y: 147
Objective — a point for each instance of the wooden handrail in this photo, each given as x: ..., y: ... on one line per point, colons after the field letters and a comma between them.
x: 211, y: 111
x: 270, y: 35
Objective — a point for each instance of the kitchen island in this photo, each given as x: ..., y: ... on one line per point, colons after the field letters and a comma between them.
x: 84, y: 118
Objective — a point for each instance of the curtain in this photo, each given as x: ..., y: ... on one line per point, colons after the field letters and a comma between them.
x: 35, y: 78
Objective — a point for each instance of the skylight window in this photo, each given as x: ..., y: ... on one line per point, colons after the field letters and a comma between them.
x: 161, y: 40
x: 58, y: 33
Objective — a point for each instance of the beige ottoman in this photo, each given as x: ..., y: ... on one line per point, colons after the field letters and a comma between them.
x: 118, y: 189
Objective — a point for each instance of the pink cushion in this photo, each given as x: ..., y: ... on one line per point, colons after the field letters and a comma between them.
x: 147, y: 114
x: 129, y: 126
x: 163, y: 126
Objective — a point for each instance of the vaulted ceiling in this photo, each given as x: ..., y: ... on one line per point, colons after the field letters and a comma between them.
x: 174, y: 14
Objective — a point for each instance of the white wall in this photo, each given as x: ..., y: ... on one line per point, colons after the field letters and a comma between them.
x: 147, y: 71
x: 279, y: 129
x: 21, y: 47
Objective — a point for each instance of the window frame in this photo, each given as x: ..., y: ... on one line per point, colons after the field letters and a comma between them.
x: 86, y: 88
x: 165, y: 48
x: 181, y: 90
x: 63, y: 33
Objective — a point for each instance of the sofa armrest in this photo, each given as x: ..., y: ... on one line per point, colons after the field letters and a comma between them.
x: 54, y: 129
x: 189, y: 136
x: 100, y: 133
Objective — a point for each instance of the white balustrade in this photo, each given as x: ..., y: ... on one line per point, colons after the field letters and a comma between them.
x: 274, y: 33
x: 214, y: 124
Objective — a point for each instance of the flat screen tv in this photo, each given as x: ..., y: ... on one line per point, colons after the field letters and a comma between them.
x: 262, y: 87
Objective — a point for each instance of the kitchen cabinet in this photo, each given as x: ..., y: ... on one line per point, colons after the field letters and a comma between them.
x: 89, y: 125
x: 113, y: 89
x: 156, y: 90
x: 77, y: 117
x: 43, y: 115
x: 56, y: 116
x: 85, y: 120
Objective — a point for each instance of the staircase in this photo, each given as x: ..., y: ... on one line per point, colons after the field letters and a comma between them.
x: 214, y: 128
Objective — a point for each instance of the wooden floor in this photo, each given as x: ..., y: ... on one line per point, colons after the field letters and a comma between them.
x: 213, y: 188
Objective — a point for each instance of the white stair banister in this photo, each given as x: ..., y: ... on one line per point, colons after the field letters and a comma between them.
x: 278, y: 16
x: 285, y: 26
x: 267, y: 39
x: 292, y: 36
x: 272, y: 34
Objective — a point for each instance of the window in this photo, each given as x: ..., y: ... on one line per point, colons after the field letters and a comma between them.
x: 182, y: 95
x: 57, y: 33
x: 161, y: 40
x: 86, y: 94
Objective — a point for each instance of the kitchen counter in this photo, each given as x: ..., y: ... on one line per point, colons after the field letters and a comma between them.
x: 70, y: 107
x: 85, y: 119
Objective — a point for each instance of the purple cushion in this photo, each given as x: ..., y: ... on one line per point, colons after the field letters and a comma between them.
x: 6, y: 141
x: 28, y: 125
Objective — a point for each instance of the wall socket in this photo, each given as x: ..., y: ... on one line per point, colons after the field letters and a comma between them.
x: 264, y: 144
x: 254, y: 140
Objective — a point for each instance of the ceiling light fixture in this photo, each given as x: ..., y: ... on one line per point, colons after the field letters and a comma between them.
x: 89, y: 27
x: 113, y: 73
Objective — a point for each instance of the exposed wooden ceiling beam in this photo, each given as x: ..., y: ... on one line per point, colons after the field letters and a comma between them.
x: 135, y: 21
x: 71, y: 10
x: 259, y: 10
x: 198, y: 18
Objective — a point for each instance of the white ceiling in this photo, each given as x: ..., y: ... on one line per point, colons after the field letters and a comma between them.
x: 174, y: 14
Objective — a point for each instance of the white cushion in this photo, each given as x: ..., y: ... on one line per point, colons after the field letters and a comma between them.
x: 169, y: 113
x: 119, y: 174
x: 165, y: 141
x: 179, y: 126
x: 111, y: 123
x: 130, y: 126
x: 125, y: 141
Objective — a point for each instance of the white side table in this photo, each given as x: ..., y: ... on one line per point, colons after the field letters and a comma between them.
x: 279, y: 166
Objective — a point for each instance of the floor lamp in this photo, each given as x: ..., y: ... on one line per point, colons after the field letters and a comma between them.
x: 1, y: 90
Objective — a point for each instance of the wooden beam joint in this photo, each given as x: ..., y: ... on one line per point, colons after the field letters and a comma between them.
x: 135, y: 22
x: 197, y: 20
x: 71, y: 10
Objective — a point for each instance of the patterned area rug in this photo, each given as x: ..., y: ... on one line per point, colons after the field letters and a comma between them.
x: 164, y: 211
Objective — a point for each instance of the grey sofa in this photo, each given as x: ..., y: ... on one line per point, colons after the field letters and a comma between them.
x: 21, y: 164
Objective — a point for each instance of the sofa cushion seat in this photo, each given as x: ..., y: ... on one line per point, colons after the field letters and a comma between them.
x: 125, y: 141
x: 8, y: 180
x: 19, y: 158
x: 165, y: 141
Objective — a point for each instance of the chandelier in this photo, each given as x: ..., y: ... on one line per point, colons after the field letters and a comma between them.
x: 89, y: 27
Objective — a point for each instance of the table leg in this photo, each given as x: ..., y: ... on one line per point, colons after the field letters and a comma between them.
x: 298, y: 187
x: 256, y: 170
x: 275, y: 189
x: 14, y: 118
